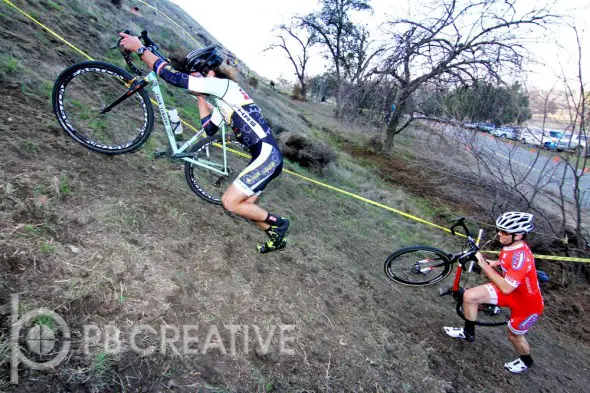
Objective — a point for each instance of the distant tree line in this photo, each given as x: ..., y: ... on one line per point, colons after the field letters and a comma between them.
x: 480, y: 102
x: 456, y: 45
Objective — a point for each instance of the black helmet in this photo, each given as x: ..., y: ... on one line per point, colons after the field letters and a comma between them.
x: 203, y: 60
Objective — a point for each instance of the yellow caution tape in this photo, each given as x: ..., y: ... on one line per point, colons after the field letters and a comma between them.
x: 171, y: 20
x: 404, y: 214
x: 49, y: 30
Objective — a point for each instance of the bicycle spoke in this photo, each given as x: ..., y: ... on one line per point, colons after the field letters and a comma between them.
x: 417, y: 266
x: 208, y: 184
x: 84, y: 90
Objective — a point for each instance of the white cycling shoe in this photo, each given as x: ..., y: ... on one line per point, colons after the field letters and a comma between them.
x: 516, y: 367
x: 458, y: 333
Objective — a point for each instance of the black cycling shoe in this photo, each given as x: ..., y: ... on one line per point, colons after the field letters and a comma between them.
x: 271, y: 245
x: 279, y: 232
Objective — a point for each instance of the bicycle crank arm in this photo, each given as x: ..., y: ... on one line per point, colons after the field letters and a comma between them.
x: 183, y: 155
x: 132, y: 90
x: 161, y: 154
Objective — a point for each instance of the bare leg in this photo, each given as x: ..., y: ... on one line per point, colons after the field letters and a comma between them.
x: 235, y: 201
x: 472, y: 298
x: 520, y: 343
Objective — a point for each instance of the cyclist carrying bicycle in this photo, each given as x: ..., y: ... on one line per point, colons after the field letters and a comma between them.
x: 516, y: 288
x: 205, y: 74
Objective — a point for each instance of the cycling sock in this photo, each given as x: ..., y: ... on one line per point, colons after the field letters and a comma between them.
x: 527, y: 360
x: 469, y: 327
x: 273, y: 220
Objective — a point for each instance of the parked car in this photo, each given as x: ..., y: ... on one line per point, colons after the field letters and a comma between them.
x: 505, y: 132
x: 570, y: 142
x: 486, y: 127
x: 470, y: 125
x: 533, y: 136
x: 553, y: 138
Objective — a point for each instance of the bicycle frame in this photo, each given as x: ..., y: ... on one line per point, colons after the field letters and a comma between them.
x: 456, y: 288
x: 179, y: 152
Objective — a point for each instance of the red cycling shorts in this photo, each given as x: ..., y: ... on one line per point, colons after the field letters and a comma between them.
x: 524, y: 311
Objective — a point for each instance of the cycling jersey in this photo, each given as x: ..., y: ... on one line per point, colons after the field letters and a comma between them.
x: 525, y: 301
x: 518, y: 265
x: 234, y: 107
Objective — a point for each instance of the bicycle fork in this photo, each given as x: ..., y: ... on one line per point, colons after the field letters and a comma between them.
x: 132, y: 89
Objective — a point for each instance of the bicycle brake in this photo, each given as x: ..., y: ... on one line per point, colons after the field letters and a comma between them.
x: 132, y: 82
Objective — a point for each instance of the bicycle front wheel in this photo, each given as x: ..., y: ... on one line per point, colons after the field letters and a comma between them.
x: 83, y: 90
x: 206, y: 183
x: 417, y: 266
x: 488, y: 314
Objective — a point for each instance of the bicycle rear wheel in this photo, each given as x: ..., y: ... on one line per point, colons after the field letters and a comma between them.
x: 206, y: 183
x: 488, y: 314
x: 83, y: 90
x: 417, y: 266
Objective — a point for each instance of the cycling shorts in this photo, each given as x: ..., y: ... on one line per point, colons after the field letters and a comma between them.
x: 524, y: 312
x: 267, y: 165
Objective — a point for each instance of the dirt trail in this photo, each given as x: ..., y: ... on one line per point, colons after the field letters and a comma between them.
x: 121, y: 241
x: 151, y: 252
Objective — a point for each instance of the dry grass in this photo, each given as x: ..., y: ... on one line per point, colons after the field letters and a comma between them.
x: 121, y: 241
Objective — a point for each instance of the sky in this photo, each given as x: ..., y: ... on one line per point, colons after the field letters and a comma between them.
x: 245, y: 28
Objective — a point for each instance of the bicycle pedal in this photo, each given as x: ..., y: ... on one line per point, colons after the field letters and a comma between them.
x: 445, y: 292
x: 160, y: 154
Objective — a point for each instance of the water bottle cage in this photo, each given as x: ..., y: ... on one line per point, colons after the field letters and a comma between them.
x: 175, y: 126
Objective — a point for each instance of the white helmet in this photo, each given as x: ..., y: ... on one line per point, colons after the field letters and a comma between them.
x: 515, y: 222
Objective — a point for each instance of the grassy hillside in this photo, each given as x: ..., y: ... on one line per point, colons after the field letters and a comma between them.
x: 122, y: 241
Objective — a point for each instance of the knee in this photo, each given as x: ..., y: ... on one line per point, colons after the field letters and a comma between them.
x: 229, y: 204
x: 514, y: 338
x: 469, y: 296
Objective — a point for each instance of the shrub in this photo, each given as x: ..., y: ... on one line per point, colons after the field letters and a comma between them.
x: 117, y: 3
x: 309, y: 153
x: 253, y: 81
x: 297, y: 93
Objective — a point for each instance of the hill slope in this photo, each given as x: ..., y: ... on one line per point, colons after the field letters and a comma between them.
x: 121, y: 241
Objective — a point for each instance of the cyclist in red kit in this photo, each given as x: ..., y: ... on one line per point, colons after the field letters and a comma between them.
x: 516, y: 288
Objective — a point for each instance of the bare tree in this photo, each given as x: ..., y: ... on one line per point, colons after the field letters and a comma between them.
x: 578, y: 105
x: 284, y: 34
x: 459, y: 41
x: 334, y: 29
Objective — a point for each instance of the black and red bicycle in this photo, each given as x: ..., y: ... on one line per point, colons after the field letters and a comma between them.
x: 423, y: 265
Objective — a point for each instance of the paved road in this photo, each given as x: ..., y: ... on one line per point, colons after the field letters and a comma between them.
x: 541, y: 168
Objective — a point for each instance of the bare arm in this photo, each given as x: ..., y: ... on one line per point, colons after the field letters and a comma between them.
x: 132, y: 44
x: 204, y: 109
x: 492, y: 263
x: 493, y: 275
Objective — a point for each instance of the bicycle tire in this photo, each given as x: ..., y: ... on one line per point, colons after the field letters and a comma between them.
x: 488, y: 314
x: 210, y: 185
x: 83, y: 89
x: 405, y: 261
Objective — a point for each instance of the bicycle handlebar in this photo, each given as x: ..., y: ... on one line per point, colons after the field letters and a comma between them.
x: 149, y: 44
x: 461, y: 224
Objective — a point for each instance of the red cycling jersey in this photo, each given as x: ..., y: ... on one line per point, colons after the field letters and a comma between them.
x: 525, y: 302
x: 518, y: 266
